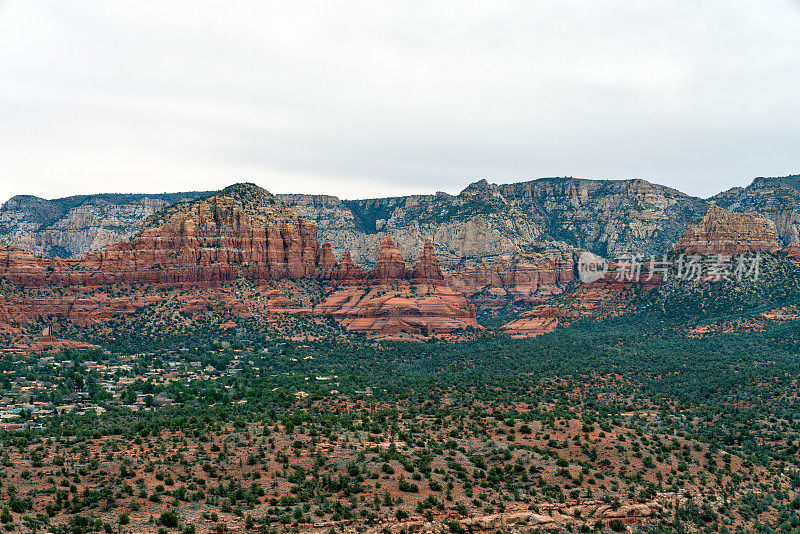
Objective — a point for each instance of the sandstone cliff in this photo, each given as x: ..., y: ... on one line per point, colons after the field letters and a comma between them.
x: 72, y: 226
x: 509, y: 242
x: 392, y: 300
x: 426, y: 270
x: 777, y: 199
x: 718, y: 232
x: 239, y: 231
x: 206, y: 245
x: 723, y: 232
x: 494, y: 242
x: 487, y: 220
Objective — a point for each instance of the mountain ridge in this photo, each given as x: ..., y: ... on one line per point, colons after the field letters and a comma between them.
x: 484, y: 220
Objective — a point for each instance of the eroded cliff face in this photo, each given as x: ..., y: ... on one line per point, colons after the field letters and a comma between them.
x: 723, y: 232
x: 494, y: 243
x: 603, y: 298
x: 391, y: 299
x: 486, y: 220
x: 70, y: 227
x: 719, y: 232
x: 504, y: 278
x: 509, y: 242
x: 607, y: 217
x: 777, y: 199
x: 201, y: 250
x: 240, y: 231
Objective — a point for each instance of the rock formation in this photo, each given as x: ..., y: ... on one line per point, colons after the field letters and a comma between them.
x: 529, y: 223
x: 608, y: 296
x: 496, y: 242
x: 426, y: 270
x: 487, y: 220
x: 389, y: 267
x: 507, y: 278
x: 390, y: 302
x: 723, y: 232
x: 70, y: 227
x: 348, y: 272
x: 777, y: 199
x: 239, y: 231
x: 426, y: 309
x: 328, y: 268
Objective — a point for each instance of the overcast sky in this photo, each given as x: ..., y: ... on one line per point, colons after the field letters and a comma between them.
x: 366, y: 99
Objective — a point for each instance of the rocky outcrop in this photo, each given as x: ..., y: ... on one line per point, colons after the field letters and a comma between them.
x: 513, y: 241
x: 389, y: 267
x: 482, y: 223
x: 494, y: 243
x: 348, y: 272
x: 508, y: 278
x: 578, y: 517
x: 498, y: 243
x: 389, y: 301
x: 426, y: 270
x: 777, y: 199
x: 328, y: 267
x: 208, y: 243
x: 608, y: 296
x: 424, y: 309
x: 723, y: 232
x: 487, y: 220
x: 535, y: 322
x: 330, y: 270
x: 72, y: 226
x: 239, y: 231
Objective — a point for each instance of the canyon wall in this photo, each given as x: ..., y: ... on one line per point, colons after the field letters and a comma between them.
x: 727, y: 233
x: 495, y: 243
x: 241, y: 232
x: 72, y: 226
x: 777, y: 199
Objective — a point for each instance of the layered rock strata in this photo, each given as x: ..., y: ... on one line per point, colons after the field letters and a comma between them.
x: 240, y: 231
x: 777, y: 199
x: 392, y: 300
x: 72, y: 226
x: 209, y: 243
x: 727, y: 233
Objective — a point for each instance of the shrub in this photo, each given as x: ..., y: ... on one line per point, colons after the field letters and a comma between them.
x: 169, y: 519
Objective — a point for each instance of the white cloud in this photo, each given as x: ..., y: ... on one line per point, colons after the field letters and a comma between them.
x: 374, y: 98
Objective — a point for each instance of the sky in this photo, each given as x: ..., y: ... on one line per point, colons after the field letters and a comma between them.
x: 370, y: 99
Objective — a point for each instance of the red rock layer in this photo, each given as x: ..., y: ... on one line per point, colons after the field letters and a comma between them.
x: 426, y: 270
x: 418, y: 309
x: 606, y: 297
x: 723, y: 232
x: 535, y: 322
x: 390, y: 303
x: 219, y: 239
x: 345, y: 272
x: 349, y: 272
x: 506, y: 279
x: 203, y: 242
x: 328, y: 267
x: 603, y: 298
x: 389, y: 267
